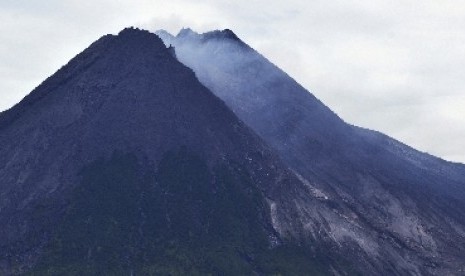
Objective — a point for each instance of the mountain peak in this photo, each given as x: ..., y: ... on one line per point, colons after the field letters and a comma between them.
x: 223, y: 34
x: 189, y: 33
x: 132, y: 30
x: 130, y: 47
x: 186, y: 32
x: 138, y: 36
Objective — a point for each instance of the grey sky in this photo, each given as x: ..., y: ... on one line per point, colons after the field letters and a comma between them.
x: 394, y: 66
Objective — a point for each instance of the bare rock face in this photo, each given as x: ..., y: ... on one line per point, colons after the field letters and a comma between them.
x: 391, y: 210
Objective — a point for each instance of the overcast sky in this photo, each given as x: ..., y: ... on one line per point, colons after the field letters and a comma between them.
x: 394, y: 66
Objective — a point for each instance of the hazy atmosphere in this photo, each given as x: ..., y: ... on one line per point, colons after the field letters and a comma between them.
x: 392, y: 66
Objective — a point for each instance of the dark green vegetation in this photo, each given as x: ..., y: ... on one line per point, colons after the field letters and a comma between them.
x: 181, y: 219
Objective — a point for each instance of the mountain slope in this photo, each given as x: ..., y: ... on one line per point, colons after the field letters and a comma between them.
x: 402, y: 209
x: 122, y: 162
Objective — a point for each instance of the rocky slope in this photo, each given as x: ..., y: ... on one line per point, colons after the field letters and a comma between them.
x: 393, y: 211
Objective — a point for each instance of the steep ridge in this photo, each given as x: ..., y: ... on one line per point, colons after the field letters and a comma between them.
x: 123, y: 163
x: 400, y: 207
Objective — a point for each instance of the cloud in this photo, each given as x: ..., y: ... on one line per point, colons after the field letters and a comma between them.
x: 393, y: 66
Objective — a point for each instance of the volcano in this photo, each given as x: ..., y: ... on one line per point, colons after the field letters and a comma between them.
x: 153, y: 154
